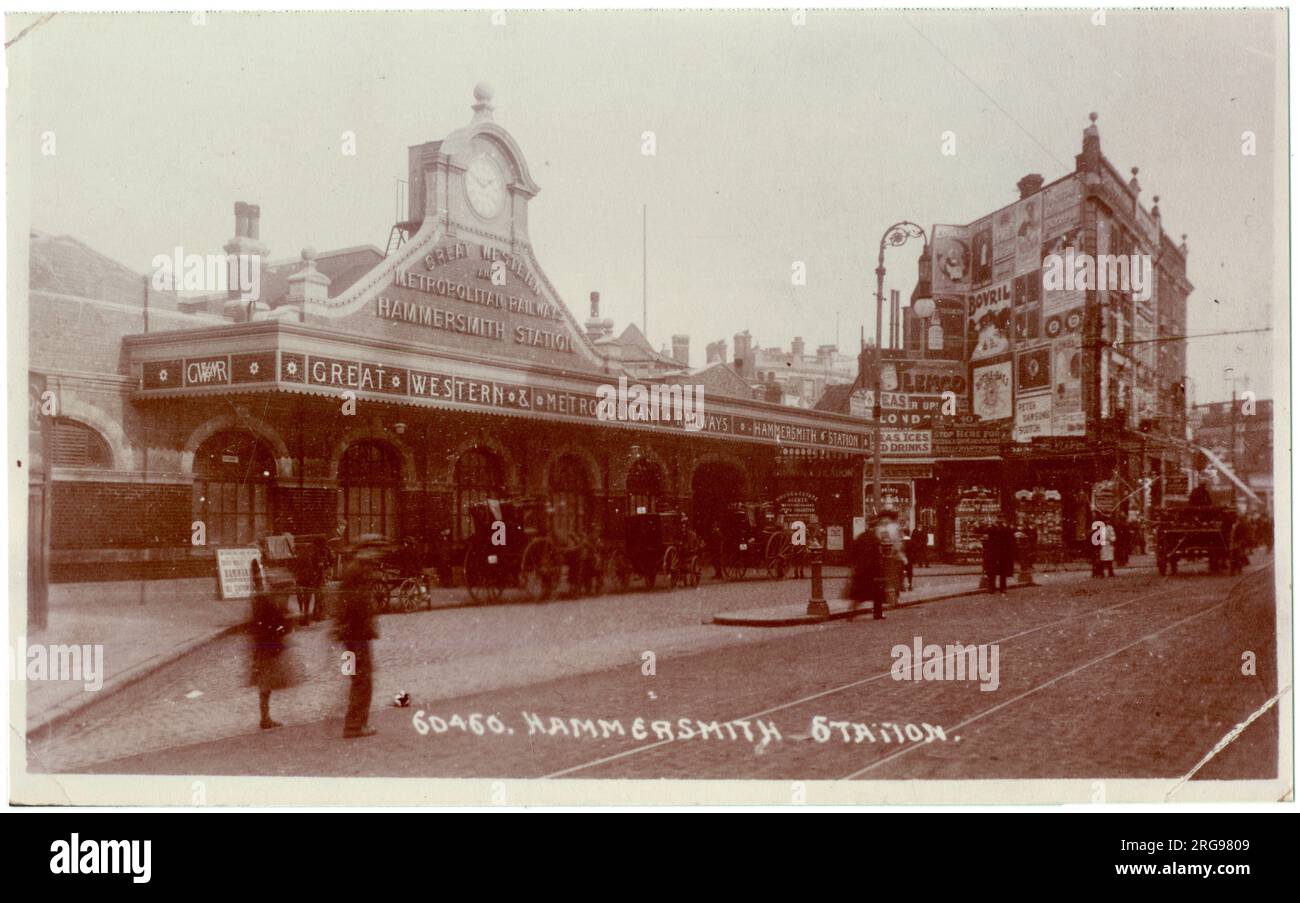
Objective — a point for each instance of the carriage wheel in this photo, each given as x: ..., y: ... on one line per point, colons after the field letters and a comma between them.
x: 618, y: 572
x: 409, y: 596
x: 777, y: 545
x: 733, y: 565
x: 776, y: 567
x: 482, y: 579
x: 692, y: 571
x: 379, y: 599
x: 418, y: 594
x: 540, y: 569
x: 668, y: 566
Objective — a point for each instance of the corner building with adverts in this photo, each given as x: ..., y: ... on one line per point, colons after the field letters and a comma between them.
x: 388, y: 389
x: 1076, y: 389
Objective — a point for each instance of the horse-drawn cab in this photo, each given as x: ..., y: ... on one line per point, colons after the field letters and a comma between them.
x: 1200, y: 531
x: 654, y: 545
x: 751, y: 537
x: 509, y: 547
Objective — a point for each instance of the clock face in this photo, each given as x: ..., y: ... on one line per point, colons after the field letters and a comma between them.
x: 485, y: 187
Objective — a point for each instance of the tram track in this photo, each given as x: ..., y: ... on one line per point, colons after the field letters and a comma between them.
x: 1073, y: 619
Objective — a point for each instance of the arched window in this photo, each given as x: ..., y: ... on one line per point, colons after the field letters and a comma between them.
x: 644, y: 486
x: 570, y: 496
x: 369, y: 474
x: 74, y: 444
x: 479, y: 477
x: 233, y: 476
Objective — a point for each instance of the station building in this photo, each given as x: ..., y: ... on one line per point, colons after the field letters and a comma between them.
x: 388, y: 389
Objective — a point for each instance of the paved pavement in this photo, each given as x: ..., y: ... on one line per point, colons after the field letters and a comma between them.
x: 145, y: 625
x: 141, y: 625
x: 1131, y: 677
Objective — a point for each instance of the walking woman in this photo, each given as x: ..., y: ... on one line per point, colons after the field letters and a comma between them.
x: 268, y: 637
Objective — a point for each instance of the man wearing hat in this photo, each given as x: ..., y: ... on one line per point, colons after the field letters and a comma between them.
x: 355, y: 628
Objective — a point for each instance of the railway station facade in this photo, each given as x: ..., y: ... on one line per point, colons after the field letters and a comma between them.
x: 387, y: 390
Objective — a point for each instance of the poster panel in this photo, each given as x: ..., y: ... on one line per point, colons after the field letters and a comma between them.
x: 1029, y: 235
x: 1004, y: 234
x: 234, y: 572
x: 1060, y: 291
x: 1033, y: 417
x: 1067, y: 376
x: 991, y: 398
x: 982, y: 253
x: 950, y: 260
x: 1034, y: 370
x: 989, y: 321
x: 977, y: 510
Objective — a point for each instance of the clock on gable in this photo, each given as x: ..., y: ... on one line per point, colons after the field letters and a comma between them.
x: 485, y: 186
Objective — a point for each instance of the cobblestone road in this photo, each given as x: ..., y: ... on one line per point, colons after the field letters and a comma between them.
x: 1136, y: 677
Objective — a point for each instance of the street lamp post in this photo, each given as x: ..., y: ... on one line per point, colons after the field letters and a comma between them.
x: 894, y: 236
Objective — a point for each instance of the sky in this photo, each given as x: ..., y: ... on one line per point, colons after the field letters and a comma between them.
x: 775, y: 143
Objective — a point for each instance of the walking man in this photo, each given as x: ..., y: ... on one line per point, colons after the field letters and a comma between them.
x: 866, y: 582
x: 355, y: 629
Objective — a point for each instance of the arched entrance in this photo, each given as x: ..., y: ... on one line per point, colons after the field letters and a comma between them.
x: 233, y: 476
x: 715, y: 487
x: 480, y: 476
x: 645, y: 487
x: 369, y: 474
x: 570, y: 496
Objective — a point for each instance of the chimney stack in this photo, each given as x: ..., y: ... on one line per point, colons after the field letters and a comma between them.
x: 682, y: 349
x: 595, y: 326
x: 743, y: 358
x: 796, y: 347
x: 715, y: 352
x: 245, y: 244
x: 1089, y: 160
x: 1030, y: 184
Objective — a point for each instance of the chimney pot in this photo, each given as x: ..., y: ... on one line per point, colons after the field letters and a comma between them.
x: 1030, y: 184
x: 595, y: 305
x: 682, y: 349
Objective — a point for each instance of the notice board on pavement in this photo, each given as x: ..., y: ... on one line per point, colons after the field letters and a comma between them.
x: 233, y: 571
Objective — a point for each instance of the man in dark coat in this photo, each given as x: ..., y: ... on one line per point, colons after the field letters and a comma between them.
x: 999, y: 556
x: 355, y: 628
x: 867, y: 582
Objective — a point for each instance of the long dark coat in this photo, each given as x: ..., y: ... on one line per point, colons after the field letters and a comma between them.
x: 270, y: 665
x: 1000, y: 551
x: 867, y: 582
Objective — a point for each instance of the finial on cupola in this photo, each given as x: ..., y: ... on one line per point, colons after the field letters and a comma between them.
x: 482, y: 101
x: 1133, y: 184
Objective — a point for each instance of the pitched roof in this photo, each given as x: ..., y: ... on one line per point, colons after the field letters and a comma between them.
x: 61, y: 264
x: 835, y: 400
x: 343, y: 267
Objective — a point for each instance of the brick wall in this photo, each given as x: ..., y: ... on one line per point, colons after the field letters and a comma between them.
x: 120, y: 516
